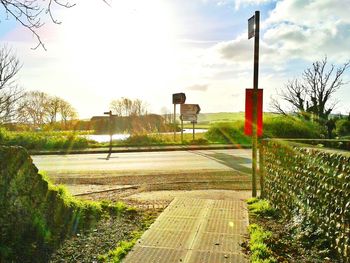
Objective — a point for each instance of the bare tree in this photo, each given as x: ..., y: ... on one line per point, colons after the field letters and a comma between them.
x: 127, y: 107
x: 10, y: 93
x: 38, y: 108
x: 31, y: 13
x: 311, y: 96
x: 53, y: 109
x: 33, y: 108
x: 67, y: 112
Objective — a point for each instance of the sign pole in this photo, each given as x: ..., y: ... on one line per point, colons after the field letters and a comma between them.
x: 110, y: 133
x: 255, y: 101
x: 193, y: 132
x: 174, y: 122
x: 182, y: 131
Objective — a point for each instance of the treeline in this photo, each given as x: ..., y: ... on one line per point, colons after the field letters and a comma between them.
x: 36, y: 110
x: 31, y: 109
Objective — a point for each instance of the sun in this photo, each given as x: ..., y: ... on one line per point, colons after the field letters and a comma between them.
x: 130, y: 45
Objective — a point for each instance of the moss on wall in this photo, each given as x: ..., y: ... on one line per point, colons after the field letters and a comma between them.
x: 35, y: 216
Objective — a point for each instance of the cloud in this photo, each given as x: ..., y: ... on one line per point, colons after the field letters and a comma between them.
x: 198, y: 87
x: 309, y: 29
x: 239, y: 3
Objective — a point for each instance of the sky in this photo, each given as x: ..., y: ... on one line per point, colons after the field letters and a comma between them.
x: 152, y: 49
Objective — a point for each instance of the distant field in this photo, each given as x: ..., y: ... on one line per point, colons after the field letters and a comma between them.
x: 205, y: 119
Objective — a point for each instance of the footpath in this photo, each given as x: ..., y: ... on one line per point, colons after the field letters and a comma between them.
x: 193, y: 230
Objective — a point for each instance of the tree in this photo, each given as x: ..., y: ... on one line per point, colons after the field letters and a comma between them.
x: 31, y: 13
x: 10, y: 93
x: 38, y: 108
x: 311, y: 96
x: 33, y: 108
x: 127, y: 107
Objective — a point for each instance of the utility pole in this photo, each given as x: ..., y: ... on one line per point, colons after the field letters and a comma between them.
x: 253, y: 30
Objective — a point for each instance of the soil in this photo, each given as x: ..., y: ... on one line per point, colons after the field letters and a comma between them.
x: 86, y: 246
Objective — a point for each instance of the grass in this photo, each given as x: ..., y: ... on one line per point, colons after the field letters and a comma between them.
x: 44, y: 140
x: 260, y: 252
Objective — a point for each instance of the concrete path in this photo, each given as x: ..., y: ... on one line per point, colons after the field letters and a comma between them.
x: 195, y: 231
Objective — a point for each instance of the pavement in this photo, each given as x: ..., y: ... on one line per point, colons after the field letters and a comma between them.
x: 195, y: 230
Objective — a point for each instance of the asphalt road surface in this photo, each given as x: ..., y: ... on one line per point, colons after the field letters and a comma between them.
x: 146, y: 162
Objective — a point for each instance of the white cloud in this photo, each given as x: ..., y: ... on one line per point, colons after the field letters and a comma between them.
x: 198, y: 87
x: 239, y: 3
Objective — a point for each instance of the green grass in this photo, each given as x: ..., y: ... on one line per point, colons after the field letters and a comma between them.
x: 43, y: 140
x: 260, y: 207
x: 260, y: 252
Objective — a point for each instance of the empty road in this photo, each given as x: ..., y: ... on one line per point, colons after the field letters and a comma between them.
x: 200, y: 169
x: 147, y: 162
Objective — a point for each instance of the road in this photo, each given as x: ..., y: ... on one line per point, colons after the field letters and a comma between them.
x: 145, y: 167
x: 147, y: 162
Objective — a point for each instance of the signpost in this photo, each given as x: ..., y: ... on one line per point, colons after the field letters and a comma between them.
x: 110, y: 132
x: 189, y: 113
x: 178, y: 98
x: 253, y: 31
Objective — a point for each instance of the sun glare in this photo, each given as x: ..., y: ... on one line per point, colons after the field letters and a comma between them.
x: 137, y: 40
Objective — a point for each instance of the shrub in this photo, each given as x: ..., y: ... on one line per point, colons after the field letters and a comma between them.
x: 291, y: 127
x: 143, y: 140
x: 342, y: 127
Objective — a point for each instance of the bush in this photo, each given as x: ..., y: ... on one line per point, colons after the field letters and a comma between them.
x: 43, y: 140
x: 143, y: 140
x: 342, y: 127
x: 291, y: 127
x: 227, y: 132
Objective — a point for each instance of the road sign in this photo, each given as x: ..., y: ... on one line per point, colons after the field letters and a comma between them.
x: 251, y: 27
x: 179, y: 98
x: 189, y: 109
x: 191, y: 118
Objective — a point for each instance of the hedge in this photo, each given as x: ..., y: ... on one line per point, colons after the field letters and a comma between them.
x: 311, y: 188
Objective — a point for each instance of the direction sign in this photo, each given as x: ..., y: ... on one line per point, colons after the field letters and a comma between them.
x: 189, y: 109
x: 179, y: 98
x: 191, y: 118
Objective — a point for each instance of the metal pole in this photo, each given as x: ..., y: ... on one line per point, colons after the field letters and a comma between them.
x: 174, y: 122
x: 255, y: 102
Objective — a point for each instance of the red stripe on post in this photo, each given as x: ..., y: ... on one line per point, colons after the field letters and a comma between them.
x: 248, y: 125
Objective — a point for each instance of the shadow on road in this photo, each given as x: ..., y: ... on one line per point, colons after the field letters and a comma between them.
x: 235, y: 162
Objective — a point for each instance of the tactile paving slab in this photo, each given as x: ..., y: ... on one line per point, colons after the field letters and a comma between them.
x: 195, y: 231
x: 155, y: 255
